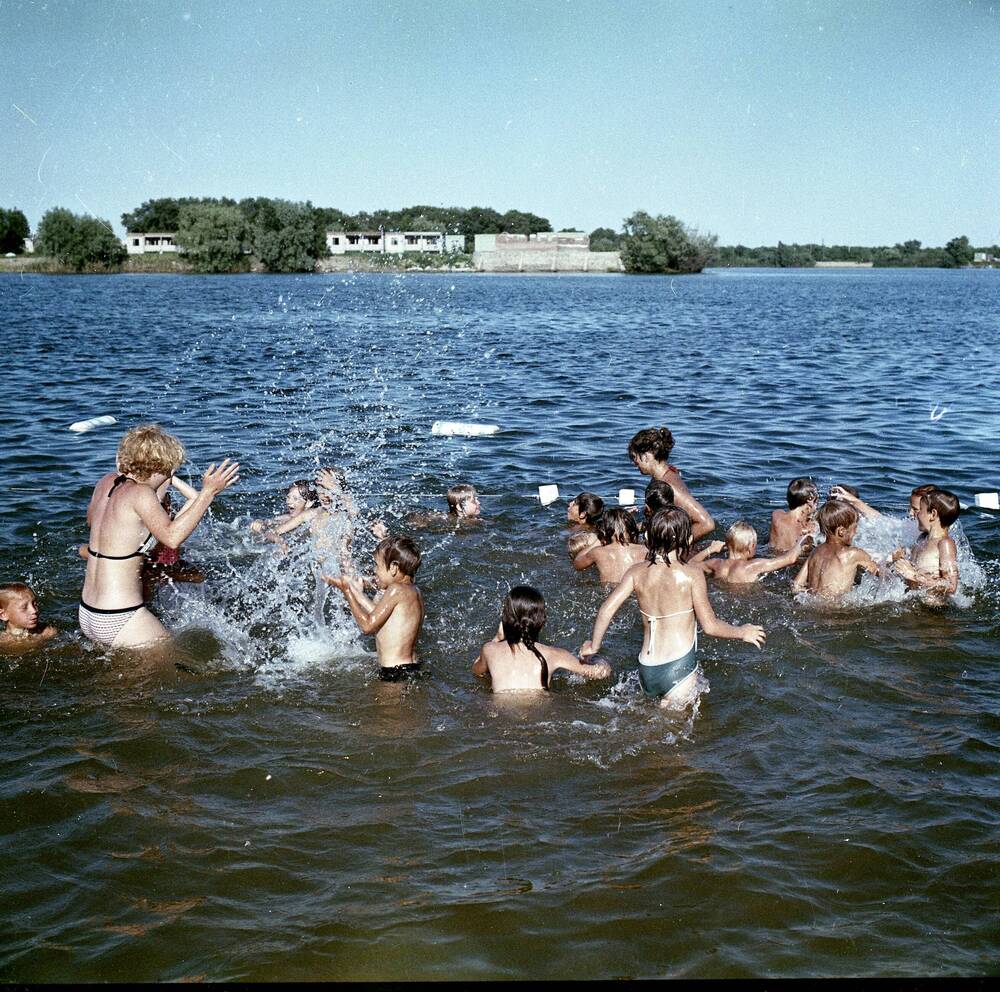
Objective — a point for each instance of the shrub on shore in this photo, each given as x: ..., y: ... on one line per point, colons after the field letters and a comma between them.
x: 79, y: 241
x: 663, y: 244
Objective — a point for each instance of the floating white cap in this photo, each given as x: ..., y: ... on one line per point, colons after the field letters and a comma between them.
x: 455, y: 427
x: 82, y: 426
x: 991, y: 501
x: 626, y: 497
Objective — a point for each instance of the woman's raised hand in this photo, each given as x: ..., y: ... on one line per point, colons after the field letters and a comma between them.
x: 222, y: 477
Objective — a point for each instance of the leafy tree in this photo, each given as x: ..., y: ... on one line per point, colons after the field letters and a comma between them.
x: 958, y: 252
x: 78, y: 241
x: 663, y: 244
x: 283, y: 234
x: 604, y: 239
x: 164, y: 214
x: 211, y: 236
x: 13, y: 230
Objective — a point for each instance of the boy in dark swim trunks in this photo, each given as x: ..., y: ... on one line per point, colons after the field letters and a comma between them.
x: 396, y: 614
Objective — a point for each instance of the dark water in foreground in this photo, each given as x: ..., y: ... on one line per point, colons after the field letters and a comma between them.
x: 830, y: 810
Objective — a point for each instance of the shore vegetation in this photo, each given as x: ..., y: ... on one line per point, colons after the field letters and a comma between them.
x: 78, y: 241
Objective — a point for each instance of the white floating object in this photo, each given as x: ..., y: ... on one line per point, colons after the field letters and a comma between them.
x: 626, y: 497
x: 450, y: 428
x: 991, y: 501
x: 82, y: 426
x: 548, y: 494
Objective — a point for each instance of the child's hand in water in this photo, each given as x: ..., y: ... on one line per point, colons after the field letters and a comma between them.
x: 753, y: 634
x: 587, y: 650
x: 380, y: 530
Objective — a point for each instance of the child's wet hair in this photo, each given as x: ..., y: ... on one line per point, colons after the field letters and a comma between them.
x: 401, y: 551
x: 659, y: 496
x: 944, y: 503
x: 148, y: 449
x: 801, y: 491
x: 834, y: 514
x: 669, y: 530
x: 657, y: 440
x: 307, y: 490
x: 578, y: 542
x: 9, y: 591
x: 591, y: 506
x: 457, y: 495
x: 741, y: 536
x: 522, y: 617
x: 617, y: 526
x: 920, y: 491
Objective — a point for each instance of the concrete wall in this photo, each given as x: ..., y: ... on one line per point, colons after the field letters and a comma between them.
x: 564, y: 260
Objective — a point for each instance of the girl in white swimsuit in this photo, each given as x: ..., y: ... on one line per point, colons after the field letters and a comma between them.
x: 673, y: 600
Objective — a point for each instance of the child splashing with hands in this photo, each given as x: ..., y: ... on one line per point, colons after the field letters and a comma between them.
x: 673, y: 599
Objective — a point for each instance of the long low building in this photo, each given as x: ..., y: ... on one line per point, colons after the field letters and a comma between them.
x: 547, y: 251
x: 145, y: 243
x: 393, y: 242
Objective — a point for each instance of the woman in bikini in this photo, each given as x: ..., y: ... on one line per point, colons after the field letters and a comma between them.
x: 673, y: 600
x: 124, y: 515
x: 650, y: 453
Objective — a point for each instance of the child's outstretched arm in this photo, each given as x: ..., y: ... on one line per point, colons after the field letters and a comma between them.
x: 751, y: 633
x: 584, y: 560
x: 762, y: 566
x: 369, y: 616
x: 566, y: 661
x: 945, y: 582
x: 606, y: 614
x: 799, y: 582
x: 859, y: 504
x: 479, y: 667
x: 712, y: 548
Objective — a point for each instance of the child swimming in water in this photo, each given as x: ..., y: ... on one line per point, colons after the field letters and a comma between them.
x: 619, y: 548
x: 516, y: 660
x: 583, y: 513
x: 787, y: 526
x: 19, y: 611
x: 396, y: 614
x: 673, y: 599
x: 463, y: 502
x: 932, y: 566
x: 300, y: 499
x: 743, y: 566
x: 832, y: 568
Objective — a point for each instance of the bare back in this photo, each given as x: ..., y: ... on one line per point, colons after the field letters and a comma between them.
x: 614, y: 560
x: 832, y: 569
x: 666, y: 593
x: 397, y: 637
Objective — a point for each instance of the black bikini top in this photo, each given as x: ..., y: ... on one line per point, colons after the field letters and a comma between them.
x: 119, y: 479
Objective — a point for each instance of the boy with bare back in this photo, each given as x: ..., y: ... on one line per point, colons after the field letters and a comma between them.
x: 619, y: 548
x: 787, y: 526
x: 833, y: 566
x: 743, y: 566
x: 396, y: 614
x: 933, y: 565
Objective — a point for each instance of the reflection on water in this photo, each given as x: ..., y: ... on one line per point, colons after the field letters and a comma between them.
x: 828, y: 808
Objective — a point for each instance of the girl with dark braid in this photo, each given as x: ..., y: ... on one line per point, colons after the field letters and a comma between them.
x: 515, y: 660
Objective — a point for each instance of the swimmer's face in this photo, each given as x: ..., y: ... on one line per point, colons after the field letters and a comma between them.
x: 470, y: 506
x: 294, y: 500
x: 644, y: 462
x: 384, y: 575
x: 573, y: 514
x: 914, y: 505
x: 925, y: 516
x: 21, y: 611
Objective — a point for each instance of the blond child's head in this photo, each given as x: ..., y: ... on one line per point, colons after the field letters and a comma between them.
x: 149, y: 450
x: 18, y: 606
x: 837, y: 515
x: 463, y: 501
x: 579, y: 542
x: 741, y: 540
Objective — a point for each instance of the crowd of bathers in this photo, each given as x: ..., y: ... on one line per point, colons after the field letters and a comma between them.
x: 656, y: 553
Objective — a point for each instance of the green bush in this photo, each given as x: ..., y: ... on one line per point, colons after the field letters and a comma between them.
x: 79, y: 241
x: 13, y: 230
x: 212, y: 237
x: 663, y: 244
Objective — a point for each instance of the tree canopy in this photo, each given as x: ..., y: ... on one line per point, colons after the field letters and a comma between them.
x: 13, y: 230
x: 79, y: 241
x: 212, y: 236
x: 663, y: 244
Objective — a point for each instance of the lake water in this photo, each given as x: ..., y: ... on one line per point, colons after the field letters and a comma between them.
x: 830, y: 809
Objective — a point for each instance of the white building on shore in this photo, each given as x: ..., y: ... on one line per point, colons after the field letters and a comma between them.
x: 138, y: 243
x: 393, y: 242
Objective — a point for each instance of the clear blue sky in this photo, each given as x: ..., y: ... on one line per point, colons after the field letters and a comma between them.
x: 757, y: 120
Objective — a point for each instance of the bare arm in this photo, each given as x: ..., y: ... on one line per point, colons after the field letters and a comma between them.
x: 761, y: 566
x: 864, y: 560
x: 712, y: 548
x: 946, y: 581
x: 173, y: 533
x: 701, y: 520
x: 292, y: 522
x: 859, y: 504
x: 369, y: 616
x: 799, y: 582
x: 479, y: 666
x: 566, y: 661
x: 584, y: 560
x: 606, y: 614
x: 751, y: 633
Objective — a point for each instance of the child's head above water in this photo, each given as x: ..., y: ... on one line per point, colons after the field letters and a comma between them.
x: 834, y: 515
x: 301, y: 495
x: 585, y: 509
x: 943, y: 503
x: 579, y: 541
x: 916, y: 495
x: 522, y: 617
x: 741, y: 540
x: 18, y: 606
x: 149, y: 450
x: 617, y: 526
x: 802, y: 491
x: 396, y: 556
x: 659, y: 495
x: 463, y: 501
x: 668, y: 531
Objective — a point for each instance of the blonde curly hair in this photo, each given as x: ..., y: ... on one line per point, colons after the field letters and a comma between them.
x: 148, y: 449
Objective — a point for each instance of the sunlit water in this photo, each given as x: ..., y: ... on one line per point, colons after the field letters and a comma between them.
x: 829, y: 809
